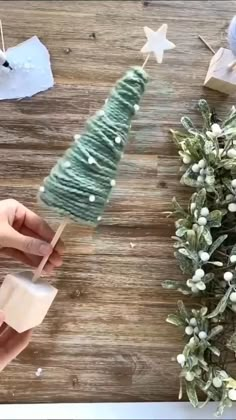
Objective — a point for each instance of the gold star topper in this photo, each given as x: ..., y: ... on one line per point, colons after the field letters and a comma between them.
x: 157, y: 43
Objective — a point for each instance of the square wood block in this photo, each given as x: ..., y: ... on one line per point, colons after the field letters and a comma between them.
x: 24, y: 303
x: 219, y: 76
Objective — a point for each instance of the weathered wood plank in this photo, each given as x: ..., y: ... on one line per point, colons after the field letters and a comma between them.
x: 105, y: 338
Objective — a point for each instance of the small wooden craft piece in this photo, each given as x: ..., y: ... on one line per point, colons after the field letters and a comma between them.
x: 221, y: 75
x: 24, y: 303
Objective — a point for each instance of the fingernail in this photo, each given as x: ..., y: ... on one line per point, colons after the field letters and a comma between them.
x: 45, y: 249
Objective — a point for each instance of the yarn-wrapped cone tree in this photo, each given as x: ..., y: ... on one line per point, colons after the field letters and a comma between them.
x: 79, y: 185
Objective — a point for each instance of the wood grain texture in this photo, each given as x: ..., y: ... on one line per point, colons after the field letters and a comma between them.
x: 105, y: 338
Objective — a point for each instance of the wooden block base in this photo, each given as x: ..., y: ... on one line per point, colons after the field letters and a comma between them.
x: 25, y: 304
x: 220, y: 76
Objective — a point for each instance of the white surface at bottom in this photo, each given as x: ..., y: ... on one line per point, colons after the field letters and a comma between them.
x: 111, y: 411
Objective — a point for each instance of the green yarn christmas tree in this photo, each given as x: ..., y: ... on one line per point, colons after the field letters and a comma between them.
x: 80, y: 183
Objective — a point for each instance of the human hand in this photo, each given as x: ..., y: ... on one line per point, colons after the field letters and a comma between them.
x: 26, y: 237
x: 12, y: 343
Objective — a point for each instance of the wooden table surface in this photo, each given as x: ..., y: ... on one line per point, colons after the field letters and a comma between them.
x: 105, y: 338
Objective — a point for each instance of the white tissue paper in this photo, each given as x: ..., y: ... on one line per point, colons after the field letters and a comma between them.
x: 31, y: 72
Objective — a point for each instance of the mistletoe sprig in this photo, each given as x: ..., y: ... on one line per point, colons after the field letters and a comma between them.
x: 205, y: 248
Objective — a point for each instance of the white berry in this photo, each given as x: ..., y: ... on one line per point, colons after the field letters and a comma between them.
x: 181, y: 359
x: 231, y: 153
x: 210, y: 180
x: 229, y: 197
x: 136, y: 107
x: 189, y: 283
x: 189, y: 330
x: 232, y: 394
x: 202, y: 221
x: 200, y: 273
x: 204, y: 211
x: 186, y: 159
x: 77, y: 137
x: 195, y: 168
x: 92, y: 198
x: 202, y: 171
x: 113, y: 182
x: 233, y: 183
x: 232, y: 207
x: 195, y: 226
x: 189, y: 376
x: 67, y: 164
x: 193, y: 322
x: 233, y: 297
x: 41, y: 188
x: 99, y: 218
x: 217, y: 382
x: 201, y: 285
x: 228, y: 276
x: 202, y: 335
x: 118, y: 140
x: 233, y: 308
x: 216, y: 130
x: 204, y: 256
x: 200, y: 179
x: 202, y: 163
x: 233, y: 258
x: 91, y: 160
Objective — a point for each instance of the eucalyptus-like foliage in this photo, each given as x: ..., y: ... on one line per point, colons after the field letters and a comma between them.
x: 205, y: 249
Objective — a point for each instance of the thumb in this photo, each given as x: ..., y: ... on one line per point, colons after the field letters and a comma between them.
x: 26, y: 244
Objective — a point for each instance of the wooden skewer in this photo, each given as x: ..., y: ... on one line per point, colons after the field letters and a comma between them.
x: 2, y: 37
x: 54, y: 241
x: 207, y: 44
x: 145, y: 61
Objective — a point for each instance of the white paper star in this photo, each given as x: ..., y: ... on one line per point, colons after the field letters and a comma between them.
x: 157, y: 42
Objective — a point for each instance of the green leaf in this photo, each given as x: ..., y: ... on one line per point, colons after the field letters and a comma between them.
x: 181, y: 231
x: 231, y: 120
x: 189, y: 254
x: 214, y: 350
x: 187, y: 179
x: 217, y: 243
x: 205, y: 111
x: 233, y: 250
x: 220, y: 308
x: 215, y: 331
x: 192, y: 394
x: 187, y: 124
x: 178, y: 137
x: 207, y: 236
x: 185, y: 263
x: 214, y: 219
x: 176, y: 285
x: 209, y: 277
x: 203, y: 311
x: 175, y: 320
x: 208, y: 147
x: 191, y: 238
x: 179, y: 211
x: 200, y: 199
x: 182, y: 310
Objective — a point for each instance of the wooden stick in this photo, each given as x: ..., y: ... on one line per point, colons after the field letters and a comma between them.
x: 207, y: 44
x: 2, y: 37
x: 145, y: 61
x: 55, y: 239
